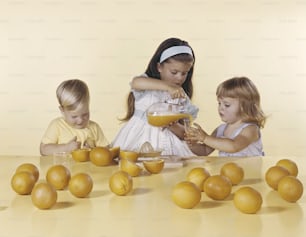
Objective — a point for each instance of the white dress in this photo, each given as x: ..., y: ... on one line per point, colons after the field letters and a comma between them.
x: 254, y: 149
x: 137, y: 130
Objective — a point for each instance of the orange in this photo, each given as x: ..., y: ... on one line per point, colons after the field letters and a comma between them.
x: 154, y: 166
x: 30, y: 168
x: 121, y: 183
x: 58, y: 176
x: 101, y: 156
x: 186, y: 194
x: 274, y: 174
x: 129, y: 155
x: 197, y: 176
x: 290, y: 188
x: 130, y: 167
x: 115, y: 151
x: 233, y: 171
x: 217, y: 187
x: 44, y: 196
x: 81, y: 155
x: 23, y: 182
x: 289, y: 165
x: 80, y: 185
x: 247, y: 200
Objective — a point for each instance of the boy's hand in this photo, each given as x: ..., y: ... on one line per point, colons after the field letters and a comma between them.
x: 73, y: 144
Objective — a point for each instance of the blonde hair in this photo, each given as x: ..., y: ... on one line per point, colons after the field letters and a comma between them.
x: 246, y: 92
x: 72, y: 93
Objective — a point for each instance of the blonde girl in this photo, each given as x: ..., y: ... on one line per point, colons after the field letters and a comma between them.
x: 239, y: 108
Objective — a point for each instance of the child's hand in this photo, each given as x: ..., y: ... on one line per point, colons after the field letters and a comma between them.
x: 89, y: 143
x: 73, y: 144
x: 195, y: 135
x: 177, y: 92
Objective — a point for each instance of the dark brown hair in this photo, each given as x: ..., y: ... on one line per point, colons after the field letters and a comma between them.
x: 153, y: 72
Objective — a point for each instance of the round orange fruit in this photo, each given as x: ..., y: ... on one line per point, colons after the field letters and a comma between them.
x: 100, y: 156
x: 23, y: 182
x: 80, y: 185
x: 290, y: 165
x: 247, y: 200
x: 198, y: 176
x: 290, y: 188
x: 217, y: 187
x: 186, y: 194
x: 29, y: 168
x: 44, y: 195
x: 233, y: 171
x: 58, y: 176
x: 115, y: 151
x: 121, y: 183
x: 274, y: 174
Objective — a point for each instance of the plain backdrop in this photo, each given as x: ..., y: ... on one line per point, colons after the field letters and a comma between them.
x: 106, y: 43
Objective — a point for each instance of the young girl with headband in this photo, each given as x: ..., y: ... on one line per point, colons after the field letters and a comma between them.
x: 168, y: 78
x: 240, y: 110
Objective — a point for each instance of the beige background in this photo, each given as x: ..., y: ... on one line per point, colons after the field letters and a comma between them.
x: 106, y: 43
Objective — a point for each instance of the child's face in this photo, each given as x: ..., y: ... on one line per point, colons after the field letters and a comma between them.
x: 78, y: 118
x: 174, y: 71
x: 229, y: 109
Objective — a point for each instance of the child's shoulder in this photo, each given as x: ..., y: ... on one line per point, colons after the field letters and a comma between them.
x: 93, y: 124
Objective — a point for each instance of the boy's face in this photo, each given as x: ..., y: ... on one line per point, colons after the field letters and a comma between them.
x: 78, y: 118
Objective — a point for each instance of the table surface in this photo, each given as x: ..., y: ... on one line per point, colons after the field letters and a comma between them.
x: 148, y: 210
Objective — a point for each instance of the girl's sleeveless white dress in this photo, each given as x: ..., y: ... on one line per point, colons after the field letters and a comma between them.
x: 254, y: 149
x: 137, y: 130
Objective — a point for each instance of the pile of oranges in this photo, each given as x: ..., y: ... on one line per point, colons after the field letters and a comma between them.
x: 58, y: 177
x: 281, y: 177
x: 44, y: 193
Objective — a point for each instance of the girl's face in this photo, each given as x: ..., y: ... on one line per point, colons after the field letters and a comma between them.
x: 78, y: 118
x: 229, y: 109
x: 174, y: 71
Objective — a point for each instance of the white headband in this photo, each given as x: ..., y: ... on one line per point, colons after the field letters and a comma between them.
x: 174, y: 50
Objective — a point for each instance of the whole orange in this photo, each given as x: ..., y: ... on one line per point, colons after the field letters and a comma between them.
x: 274, y: 174
x: 233, y: 171
x: 247, y: 200
x: 44, y: 195
x: 80, y: 185
x: 58, y: 176
x: 198, y: 175
x: 115, y: 151
x: 186, y: 194
x: 290, y: 165
x: 290, y: 188
x: 217, y: 187
x: 30, y: 168
x: 121, y: 183
x: 100, y: 156
x: 23, y: 182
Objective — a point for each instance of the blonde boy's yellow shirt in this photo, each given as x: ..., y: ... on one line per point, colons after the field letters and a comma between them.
x: 60, y: 132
